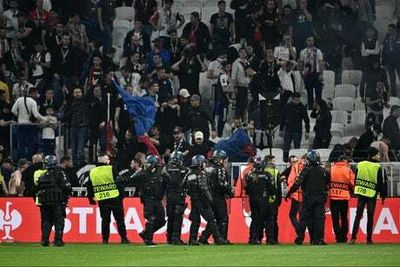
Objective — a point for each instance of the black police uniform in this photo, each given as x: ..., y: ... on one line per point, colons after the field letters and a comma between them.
x: 53, y: 190
x: 175, y: 203
x: 197, y: 186
x: 314, y: 182
x: 152, y: 186
x: 260, y: 188
x: 221, y: 188
x: 108, y: 206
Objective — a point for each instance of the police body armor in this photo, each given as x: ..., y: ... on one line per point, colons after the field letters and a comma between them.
x: 259, y: 186
x: 198, y: 186
x: 53, y: 188
x: 153, y: 185
x: 219, y: 181
x: 177, y: 174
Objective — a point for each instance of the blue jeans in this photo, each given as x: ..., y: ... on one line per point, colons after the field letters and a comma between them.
x: 78, y: 140
x: 26, y: 140
x: 288, y: 137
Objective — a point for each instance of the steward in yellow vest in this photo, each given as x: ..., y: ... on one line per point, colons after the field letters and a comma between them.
x: 274, y: 200
x: 370, y: 181
x: 103, y: 189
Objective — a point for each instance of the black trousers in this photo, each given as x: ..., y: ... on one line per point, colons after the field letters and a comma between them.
x: 339, y: 209
x: 220, y: 211
x: 241, y: 102
x: 361, y: 203
x: 261, y: 213
x: 154, y: 214
x: 202, y: 208
x: 312, y: 215
x: 175, y: 212
x: 117, y: 210
x: 275, y: 214
x: 295, y: 208
x: 52, y: 215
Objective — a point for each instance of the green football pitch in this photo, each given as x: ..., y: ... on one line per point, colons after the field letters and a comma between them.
x: 14, y: 254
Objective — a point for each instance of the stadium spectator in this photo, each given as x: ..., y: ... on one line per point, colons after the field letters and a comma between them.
x: 311, y: 66
x: 199, y: 118
x: 291, y: 126
x: 16, y: 185
x: 197, y: 33
x: 199, y: 146
x: 28, y: 174
x: 222, y: 27
x: 322, y: 126
x: 391, y: 128
x: 390, y: 52
x: 301, y: 24
x: 66, y: 165
x: 240, y: 81
x: 105, y: 16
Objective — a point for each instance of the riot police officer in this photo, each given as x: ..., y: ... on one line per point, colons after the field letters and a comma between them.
x: 53, y: 189
x: 221, y: 189
x: 103, y: 189
x: 175, y: 199
x: 314, y: 181
x: 151, y: 182
x: 260, y: 189
x: 197, y: 185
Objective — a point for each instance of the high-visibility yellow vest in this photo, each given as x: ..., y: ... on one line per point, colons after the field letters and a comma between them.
x: 104, y: 186
x: 274, y: 173
x: 36, y: 176
x: 367, y: 178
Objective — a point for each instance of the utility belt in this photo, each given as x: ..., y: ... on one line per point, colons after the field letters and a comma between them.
x: 51, y: 196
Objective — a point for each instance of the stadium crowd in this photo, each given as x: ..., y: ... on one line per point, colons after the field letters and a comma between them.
x: 61, y: 63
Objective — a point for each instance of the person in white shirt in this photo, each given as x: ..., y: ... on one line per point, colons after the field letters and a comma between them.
x: 285, y: 51
x: 311, y: 66
x: 25, y: 108
x: 241, y: 82
x: 286, y: 77
x: 215, y: 69
x: 48, y: 133
x: 39, y: 64
x: 20, y: 86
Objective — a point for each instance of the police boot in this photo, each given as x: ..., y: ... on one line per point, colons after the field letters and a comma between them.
x: 125, y: 241
x: 254, y: 242
x: 298, y: 241
x: 146, y: 240
x: 220, y: 241
x: 203, y: 240
x: 58, y: 238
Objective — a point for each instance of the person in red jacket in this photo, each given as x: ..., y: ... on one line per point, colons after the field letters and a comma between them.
x: 340, y: 185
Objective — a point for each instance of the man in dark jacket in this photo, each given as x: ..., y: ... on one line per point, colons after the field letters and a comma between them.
x: 291, y: 126
x: 198, y: 118
x: 391, y: 128
x: 314, y: 182
x: 27, y: 175
x: 77, y: 113
x: 196, y: 32
x: 152, y: 182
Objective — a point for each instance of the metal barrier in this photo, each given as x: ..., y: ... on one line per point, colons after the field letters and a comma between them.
x: 61, y: 138
x: 392, y: 171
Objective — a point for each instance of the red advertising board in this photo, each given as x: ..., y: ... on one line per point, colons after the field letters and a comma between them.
x: 20, y: 222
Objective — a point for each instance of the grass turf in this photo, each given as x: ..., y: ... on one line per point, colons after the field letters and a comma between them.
x: 14, y: 254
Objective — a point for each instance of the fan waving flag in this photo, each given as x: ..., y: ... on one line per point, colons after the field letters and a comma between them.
x: 143, y: 112
x: 142, y: 109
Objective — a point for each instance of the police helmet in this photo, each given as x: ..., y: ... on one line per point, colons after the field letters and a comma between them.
x: 259, y: 164
x: 153, y: 160
x: 313, y: 157
x: 176, y: 158
x: 219, y: 155
x: 198, y: 161
x: 50, y: 162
